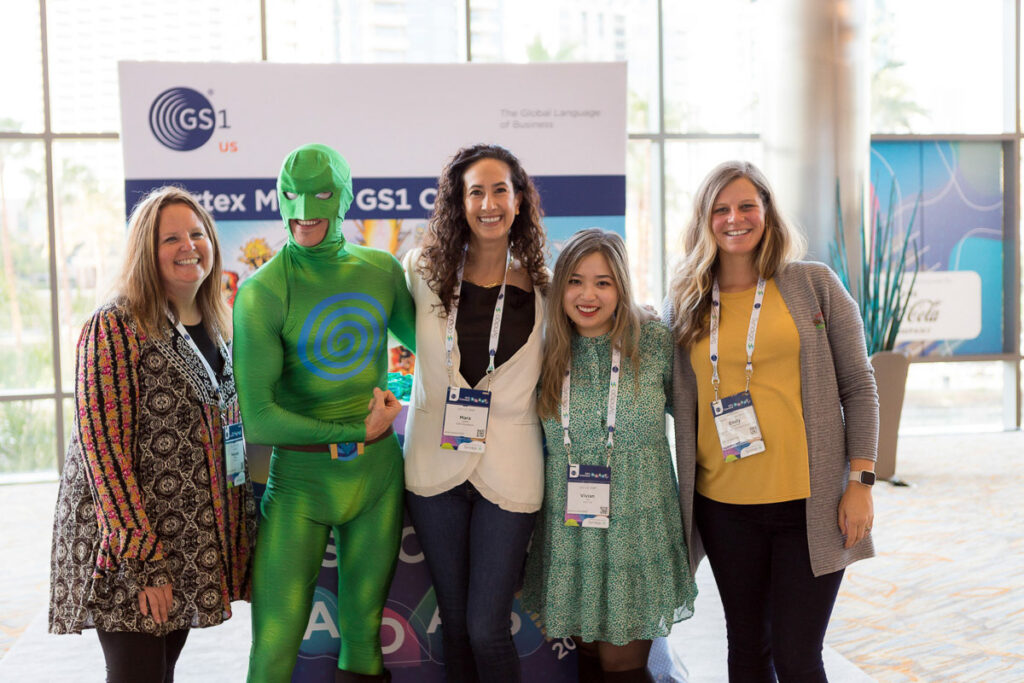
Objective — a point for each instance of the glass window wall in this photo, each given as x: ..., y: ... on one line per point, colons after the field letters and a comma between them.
x: 26, y: 349
x: 22, y: 110
x: 85, y: 40
x: 690, y: 106
x: 942, y: 71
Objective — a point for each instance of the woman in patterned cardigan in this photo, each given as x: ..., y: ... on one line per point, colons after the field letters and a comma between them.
x: 155, y: 519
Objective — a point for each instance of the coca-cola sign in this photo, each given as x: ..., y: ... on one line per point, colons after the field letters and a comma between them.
x: 945, y: 304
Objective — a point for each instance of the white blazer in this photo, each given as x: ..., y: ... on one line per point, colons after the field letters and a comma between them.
x: 510, y: 473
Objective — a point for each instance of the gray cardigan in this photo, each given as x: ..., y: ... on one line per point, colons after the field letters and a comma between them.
x: 840, y: 406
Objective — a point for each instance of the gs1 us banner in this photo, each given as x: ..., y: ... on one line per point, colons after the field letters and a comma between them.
x: 222, y: 130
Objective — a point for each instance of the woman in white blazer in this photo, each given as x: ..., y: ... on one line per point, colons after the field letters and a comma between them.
x: 473, y: 454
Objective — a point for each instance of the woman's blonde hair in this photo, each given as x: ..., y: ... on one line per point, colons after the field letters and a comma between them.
x: 690, y: 291
x: 140, y: 288
x: 625, y: 331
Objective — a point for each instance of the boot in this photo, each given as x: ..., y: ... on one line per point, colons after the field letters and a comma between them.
x: 588, y: 668
x: 342, y: 676
x: 640, y: 675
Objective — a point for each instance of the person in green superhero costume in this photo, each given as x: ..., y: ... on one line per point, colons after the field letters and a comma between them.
x: 310, y: 354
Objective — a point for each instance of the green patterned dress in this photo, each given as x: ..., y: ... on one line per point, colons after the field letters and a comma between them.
x: 630, y: 581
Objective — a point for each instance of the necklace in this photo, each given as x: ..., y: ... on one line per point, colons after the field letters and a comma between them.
x: 492, y: 285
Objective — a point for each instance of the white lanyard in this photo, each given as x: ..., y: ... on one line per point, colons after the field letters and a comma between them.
x: 191, y: 342
x: 233, y: 444
x: 613, y: 400
x: 499, y: 306
x: 716, y: 314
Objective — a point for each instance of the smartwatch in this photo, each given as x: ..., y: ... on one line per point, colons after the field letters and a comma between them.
x: 866, y: 477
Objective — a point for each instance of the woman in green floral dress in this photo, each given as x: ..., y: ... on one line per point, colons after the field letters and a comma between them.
x: 608, y: 565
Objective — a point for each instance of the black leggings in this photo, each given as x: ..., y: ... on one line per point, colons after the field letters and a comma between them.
x: 776, y: 610
x: 140, y: 657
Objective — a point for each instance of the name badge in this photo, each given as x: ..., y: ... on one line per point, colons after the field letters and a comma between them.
x: 234, y: 455
x: 588, y: 496
x: 465, y: 420
x: 737, y: 426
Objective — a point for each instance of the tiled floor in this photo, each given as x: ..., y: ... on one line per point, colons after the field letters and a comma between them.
x: 27, y: 514
x: 944, y: 599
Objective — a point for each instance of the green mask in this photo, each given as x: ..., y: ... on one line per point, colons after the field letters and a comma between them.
x: 315, y: 182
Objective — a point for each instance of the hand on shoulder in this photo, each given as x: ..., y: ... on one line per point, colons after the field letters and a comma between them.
x: 648, y: 313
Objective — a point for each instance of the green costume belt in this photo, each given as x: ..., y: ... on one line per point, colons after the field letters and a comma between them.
x: 325, y: 447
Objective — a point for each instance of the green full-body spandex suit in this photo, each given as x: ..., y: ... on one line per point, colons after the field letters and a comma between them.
x: 310, y: 344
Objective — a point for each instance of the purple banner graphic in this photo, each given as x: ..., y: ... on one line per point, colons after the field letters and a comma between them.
x: 959, y: 228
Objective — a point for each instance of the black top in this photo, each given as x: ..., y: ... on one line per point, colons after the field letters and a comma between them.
x: 476, y: 310
x: 207, y: 347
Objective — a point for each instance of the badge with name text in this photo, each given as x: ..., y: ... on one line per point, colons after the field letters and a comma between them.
x: 465, y: 420
x: 588, y: 496
x: 234, y: 455
x: 737, y: 426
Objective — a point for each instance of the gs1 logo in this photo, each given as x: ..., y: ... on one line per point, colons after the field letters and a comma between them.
x: 183, y: 119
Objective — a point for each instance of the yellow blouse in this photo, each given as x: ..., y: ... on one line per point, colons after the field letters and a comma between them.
x: 781, y: 472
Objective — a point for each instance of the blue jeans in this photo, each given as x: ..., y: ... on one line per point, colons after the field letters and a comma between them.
x: 776, y: 610
x: 475, y: 552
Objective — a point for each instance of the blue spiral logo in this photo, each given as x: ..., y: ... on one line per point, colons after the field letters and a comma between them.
x: 181, y: 119
x: 341, y: 335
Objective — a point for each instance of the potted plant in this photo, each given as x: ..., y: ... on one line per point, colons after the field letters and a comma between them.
x: 882, y: 298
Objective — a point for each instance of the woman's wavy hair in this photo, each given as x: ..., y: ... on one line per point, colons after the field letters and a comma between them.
x: 690, y: 291
x: 140, y: 289
x: 448, y: 232
x: 558, y: 333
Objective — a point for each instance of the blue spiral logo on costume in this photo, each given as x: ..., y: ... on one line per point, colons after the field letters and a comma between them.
x: 182, y: 119
x: 341, y: 335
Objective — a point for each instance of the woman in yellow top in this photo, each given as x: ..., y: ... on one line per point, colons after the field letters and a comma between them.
x: 776, y: 425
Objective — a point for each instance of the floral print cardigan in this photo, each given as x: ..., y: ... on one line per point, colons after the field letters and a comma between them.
x: 143, y: 498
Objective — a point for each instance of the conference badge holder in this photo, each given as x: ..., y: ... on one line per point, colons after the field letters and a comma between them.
x: 465, y: 420
x: 588, y: 496
x: 234, y: 454
x: 737, y: 426
x: 466, y: 410
x: 234, y: 442
x: 735, y: 419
